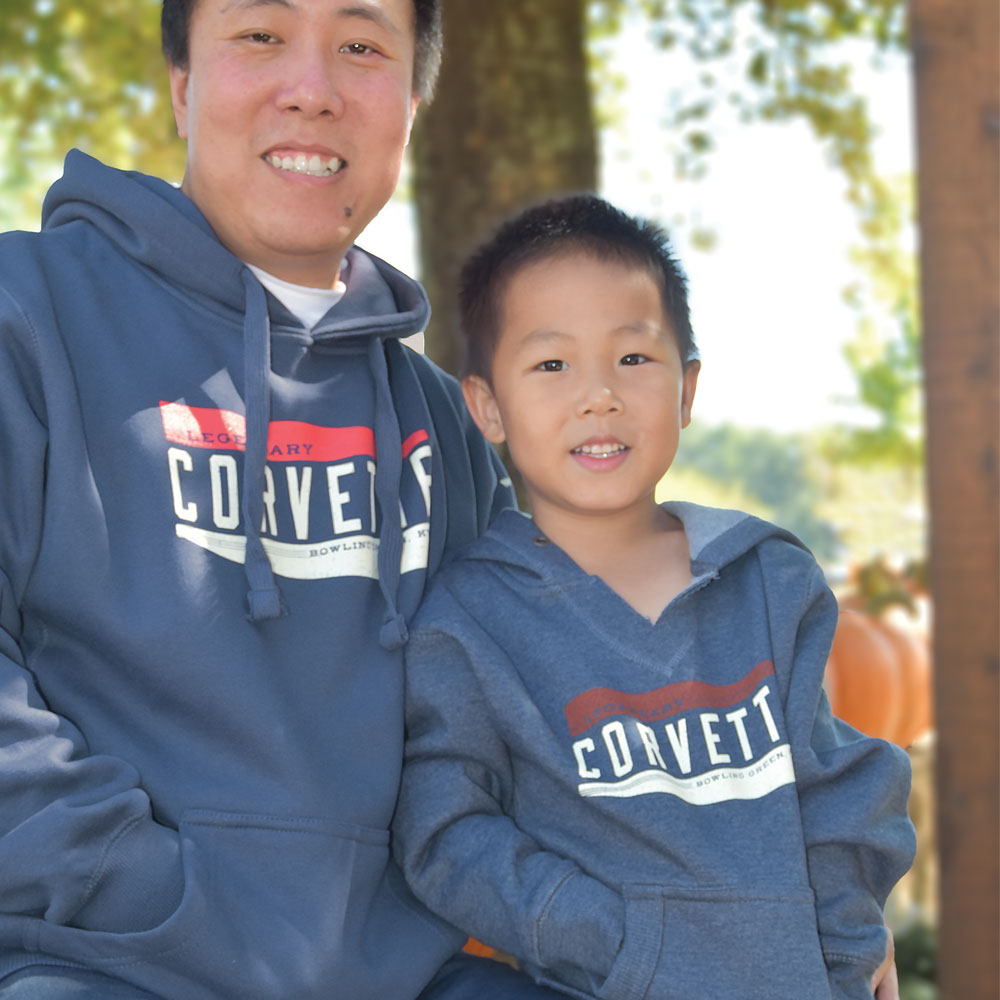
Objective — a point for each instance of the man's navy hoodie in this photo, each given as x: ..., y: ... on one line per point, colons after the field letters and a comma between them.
x: 213, y: 526
x: 648, y: 810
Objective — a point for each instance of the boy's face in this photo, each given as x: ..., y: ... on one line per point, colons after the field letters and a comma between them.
x: 296, y: 115
x: 588, y: 391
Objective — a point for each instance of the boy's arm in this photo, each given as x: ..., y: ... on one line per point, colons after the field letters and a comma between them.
x: 462, y: 854
x: 853, y: 793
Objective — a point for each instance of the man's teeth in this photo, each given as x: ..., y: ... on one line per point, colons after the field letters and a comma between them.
x: 600, y: 450
x: 314, y: 166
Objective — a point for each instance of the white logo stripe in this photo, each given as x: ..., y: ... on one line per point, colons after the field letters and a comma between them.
x: 352, y: 555
x: 723, y: 784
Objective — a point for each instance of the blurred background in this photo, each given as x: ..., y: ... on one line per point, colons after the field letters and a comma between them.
x: 806, y: 157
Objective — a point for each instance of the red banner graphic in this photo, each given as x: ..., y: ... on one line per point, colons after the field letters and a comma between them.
x: 651, y: 706
x: 287, y: 440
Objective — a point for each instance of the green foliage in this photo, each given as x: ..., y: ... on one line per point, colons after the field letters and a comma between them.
x: 763, y: 472
x: 770, y: 60
x: 87, y: 74
x: 917, y: 961
x: 875, y: 508
x: 845, y: 512
x: 885, y: 353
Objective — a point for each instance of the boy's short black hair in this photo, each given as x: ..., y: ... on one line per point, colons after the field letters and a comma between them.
x: 175, y: 22
x: 578, y: 223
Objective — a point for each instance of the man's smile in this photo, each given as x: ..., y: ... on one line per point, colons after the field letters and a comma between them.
x: 311, y: 164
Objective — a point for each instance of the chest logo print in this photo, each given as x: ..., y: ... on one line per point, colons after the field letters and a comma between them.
x: 320, y: 516
x: 703, y: 743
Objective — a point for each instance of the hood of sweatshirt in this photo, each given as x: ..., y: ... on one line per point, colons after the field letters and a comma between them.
x: 148, y: 219
x: 716, y: 538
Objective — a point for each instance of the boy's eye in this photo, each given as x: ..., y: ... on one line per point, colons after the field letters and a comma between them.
x: 634, y: 359
x: 551, y: 366
x: 264, y: 37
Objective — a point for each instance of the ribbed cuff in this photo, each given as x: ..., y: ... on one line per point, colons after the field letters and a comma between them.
x: 850, y: 980
x: 582, y: 926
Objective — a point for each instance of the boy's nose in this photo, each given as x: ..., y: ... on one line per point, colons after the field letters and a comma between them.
x: 600, y: 398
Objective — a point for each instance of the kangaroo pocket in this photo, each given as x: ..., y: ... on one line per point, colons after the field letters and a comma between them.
x: 274, y: 908
x: 692, y: 943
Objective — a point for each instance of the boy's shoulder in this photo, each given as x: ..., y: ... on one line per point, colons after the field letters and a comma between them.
x: 718, y: 536
x: 507, y: 541
x: 506, y: 555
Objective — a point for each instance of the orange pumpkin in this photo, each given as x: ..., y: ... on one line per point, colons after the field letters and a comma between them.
x: 865, y: 690
x: 913, y: 656
x: 878, y: 676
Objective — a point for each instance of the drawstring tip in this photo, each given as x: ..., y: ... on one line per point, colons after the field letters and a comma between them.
x: 393, y: 634
x: 265, y: 605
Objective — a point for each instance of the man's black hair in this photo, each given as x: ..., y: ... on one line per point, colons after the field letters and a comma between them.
x: 578, y: 223
x: 175, y: 23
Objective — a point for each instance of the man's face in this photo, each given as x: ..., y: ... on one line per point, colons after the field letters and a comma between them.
x: 296, y: 115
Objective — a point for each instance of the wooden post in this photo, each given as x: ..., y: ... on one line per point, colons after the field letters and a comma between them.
x: 955, y: 45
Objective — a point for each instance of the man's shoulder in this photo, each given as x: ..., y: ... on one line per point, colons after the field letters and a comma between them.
x: 22, y: 251
x: 433, y: 378
x: 20, y: 246
x: 27, y: 259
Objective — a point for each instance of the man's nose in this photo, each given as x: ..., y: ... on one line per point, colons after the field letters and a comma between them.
x: 311, y: 86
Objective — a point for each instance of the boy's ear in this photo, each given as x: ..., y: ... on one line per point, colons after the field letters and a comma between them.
x: 688, y: 387
x: 482, y: 405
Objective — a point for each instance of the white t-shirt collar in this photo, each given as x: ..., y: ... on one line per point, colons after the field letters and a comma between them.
x: 308, y: 305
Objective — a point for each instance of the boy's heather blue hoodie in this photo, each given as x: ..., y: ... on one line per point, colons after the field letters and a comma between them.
x: 204, y: 580
x: 649, y: 810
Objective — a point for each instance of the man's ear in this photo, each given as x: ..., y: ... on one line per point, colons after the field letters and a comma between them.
x: 688, y: 387
x: 414, y: 104
x: 482, y: 405
x: 179, y: 97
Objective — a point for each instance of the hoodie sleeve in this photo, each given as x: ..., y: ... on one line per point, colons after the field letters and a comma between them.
x: 853, y: 793
x: 463, y: 855
x: 78, y: 844
x: 476, y: 483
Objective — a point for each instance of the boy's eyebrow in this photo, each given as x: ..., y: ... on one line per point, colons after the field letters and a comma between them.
x: 543, y: 336
x: 642, y: 326
x: 548, y: 335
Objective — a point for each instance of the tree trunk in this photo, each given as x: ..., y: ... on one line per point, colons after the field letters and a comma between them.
x: 510, y: 123
x: 955, y: 49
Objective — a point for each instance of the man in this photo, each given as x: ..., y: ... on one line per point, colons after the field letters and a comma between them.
x: 222, y: 488
x: 219, y: 505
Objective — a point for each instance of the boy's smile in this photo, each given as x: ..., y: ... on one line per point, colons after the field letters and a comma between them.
x: 588, y: 388
x: 600, y: 454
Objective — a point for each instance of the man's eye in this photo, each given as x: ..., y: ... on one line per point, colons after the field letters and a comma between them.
x: 264, y: 37
x: 551, y: 366
x: 356, y: 48
x: 634, y: 359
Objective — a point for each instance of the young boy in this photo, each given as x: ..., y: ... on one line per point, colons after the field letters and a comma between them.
x: 621, y: 767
